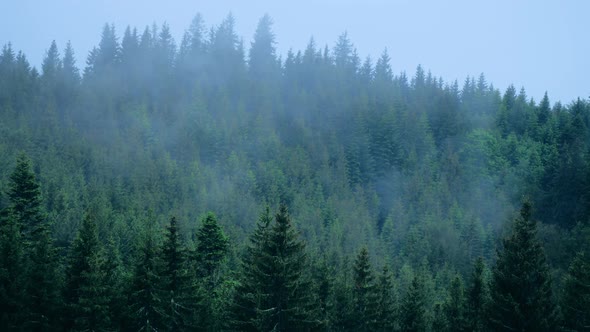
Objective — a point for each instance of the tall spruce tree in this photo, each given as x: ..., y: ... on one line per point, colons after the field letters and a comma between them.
x: 454, y: 306
x: 180, y: 290
x: 12, y: 272
x: 43, y: 283
x: 575, y: 304
x: 248, y: 294
x: 86, y: 296
x: 477, y: 298
x: 275, y: 282
x: 212, y: 247
x: 386, y: 313
x: 412, y: 309
x: 41, y: 279
x: 364, y: 294
x: 25, y: 199
x: 146, y: 299
x: 521, y: 285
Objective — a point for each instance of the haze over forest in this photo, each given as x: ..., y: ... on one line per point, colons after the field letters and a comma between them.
x: 522, y: 43
x: 203, y: 182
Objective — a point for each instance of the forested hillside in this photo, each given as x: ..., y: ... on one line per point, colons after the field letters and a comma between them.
x: 209, y: 184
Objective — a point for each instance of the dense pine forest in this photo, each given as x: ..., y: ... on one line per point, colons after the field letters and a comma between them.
x: 210, y: 184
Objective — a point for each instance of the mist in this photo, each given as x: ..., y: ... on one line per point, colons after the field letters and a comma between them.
x: 346, y: 162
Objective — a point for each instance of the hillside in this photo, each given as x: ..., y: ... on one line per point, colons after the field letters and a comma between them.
x: 364, y: 167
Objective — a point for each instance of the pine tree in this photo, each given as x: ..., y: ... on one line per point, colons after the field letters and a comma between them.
x: 25, y: 199
x: 412, y: 309
x: 323, y: 282
x: 12, y: 272
x: 521, y: 285
x: 454, y: 307
x: 263, y: 64
x: 41, y: 280
x: 364, y: 293
x: 212, y: 247
x: 576, y: 295
x: 248, y: 294
x: 180, y: 291
x: 86, y: 301
x: 116, y: 280
x: 477, y: 298
x: 43, y: 283
x: 386, y: 306
x: 146, y: 302
x: 275, y: 282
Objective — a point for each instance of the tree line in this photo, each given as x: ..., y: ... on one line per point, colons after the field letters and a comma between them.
x: 396, y: 185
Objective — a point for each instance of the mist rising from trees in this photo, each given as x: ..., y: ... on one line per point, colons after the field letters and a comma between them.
x: 404, y: 174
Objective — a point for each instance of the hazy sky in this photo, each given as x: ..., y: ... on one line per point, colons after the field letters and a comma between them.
x: 541, y: 45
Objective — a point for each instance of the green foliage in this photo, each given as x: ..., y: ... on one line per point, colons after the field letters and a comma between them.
x: 454, y: 306
x: 421, y: 171
x: 412, y: 307
x: 477, y: 298
x: 576, y: 295
x: 275, y: 283
x: 386, y: 310
x: 181, y: 294
x: 521, y: 284
x: 25, y: 199
x: 212, y: 247
x: 147, y: 307
x: 364, y: 294
x: 86, y: 291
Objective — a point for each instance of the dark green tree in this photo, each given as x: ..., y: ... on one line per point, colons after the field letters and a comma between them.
x: 180, y: 288
x: 412, y: 307
x: 248, y: 294
x: 477, y: 298
x: 454, y: 306
x: 86, y: 297
x: 521, y: 284
x: 575, y: 302
x: 12, y: 272
x: 212, y: 248
x: 146, y: 298
x: 276, y: 284
x: 386, y: 308
x: 43, y: 283
x: 364, y: 293
x: 25, y: 199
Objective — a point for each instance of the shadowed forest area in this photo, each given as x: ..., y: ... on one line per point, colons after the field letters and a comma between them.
x: 210, y: 184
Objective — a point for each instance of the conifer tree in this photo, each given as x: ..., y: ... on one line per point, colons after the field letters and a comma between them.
x: 25, y: 199
x: 364, y: 293
x: 454, y: 306
x: 248, y: 293
x: 43, y: 283
x: 41, y: 280
x: 276, y: 283
x: 116, y: 280
x: 12, y: 272
x: 212, y: 247
x: 86, y: 302
x: 576, y: 295
x: 147, y: 307
x: 412, y: 309
x: 477, y: 298
x: 323, y: 282
x: 180, y: 291
x: 521, y: 285
x: 386, y: 306
x: 263, y: 64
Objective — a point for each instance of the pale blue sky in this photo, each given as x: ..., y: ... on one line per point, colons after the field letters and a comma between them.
x: 541, y: 45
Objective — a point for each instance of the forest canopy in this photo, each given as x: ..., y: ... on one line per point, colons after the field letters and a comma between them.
x: 210, y: 184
